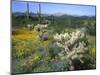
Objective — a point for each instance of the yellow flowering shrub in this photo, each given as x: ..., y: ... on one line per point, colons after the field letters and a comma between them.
x: 25, y: 35
x: 45, y: 43
x: 93, y: 51
x: 26, y: 42
x: 28, y: 64
x: 23, y: 49
x: 35, y: 58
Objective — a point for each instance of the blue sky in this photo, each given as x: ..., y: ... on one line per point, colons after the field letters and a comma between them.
x: 50, y: 8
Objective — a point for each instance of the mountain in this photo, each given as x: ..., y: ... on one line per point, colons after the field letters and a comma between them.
x: 59, y: 14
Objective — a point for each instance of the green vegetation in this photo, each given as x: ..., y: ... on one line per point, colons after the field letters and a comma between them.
x: 30, y: 54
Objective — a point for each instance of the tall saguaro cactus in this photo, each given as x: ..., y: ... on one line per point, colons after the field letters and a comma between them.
x: 39, y: 14
x: 27, y: 12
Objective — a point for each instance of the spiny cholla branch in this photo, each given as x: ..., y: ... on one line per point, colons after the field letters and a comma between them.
x: 72, y: 46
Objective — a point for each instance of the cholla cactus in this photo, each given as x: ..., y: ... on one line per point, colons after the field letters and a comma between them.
x: 72, y: 46
x: 30, y: 26
x: 40, y: 27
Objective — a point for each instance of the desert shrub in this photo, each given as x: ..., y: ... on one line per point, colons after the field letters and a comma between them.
x: 24, y: 43
x: 28, y: 65
x: 60, y: 66
x: 90, y: 58
x: 43, y: 67
x: 53, y: 50
x: 89, y: 61
x: 67, y: 50
x: 23, y: 49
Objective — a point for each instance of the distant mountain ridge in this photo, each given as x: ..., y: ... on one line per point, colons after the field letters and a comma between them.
x: 57, y: 14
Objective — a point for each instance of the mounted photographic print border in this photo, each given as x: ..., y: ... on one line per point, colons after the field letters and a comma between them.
x: 44, y: 38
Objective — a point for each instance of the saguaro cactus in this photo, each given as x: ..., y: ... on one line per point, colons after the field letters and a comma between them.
x: 39, y: 14
x: 27, y: 11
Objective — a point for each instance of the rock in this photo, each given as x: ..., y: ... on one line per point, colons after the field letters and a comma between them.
x: 45, y: 36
